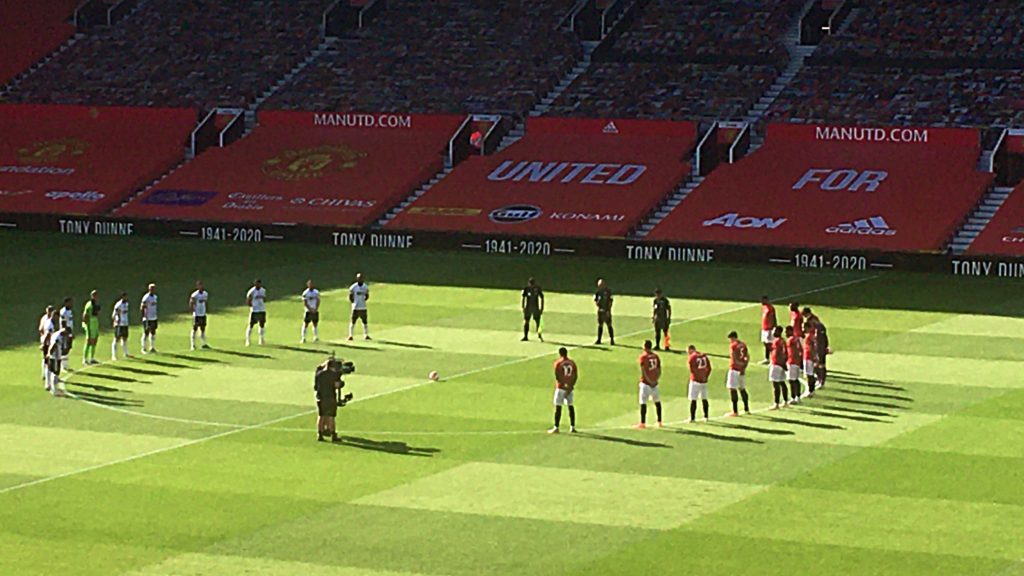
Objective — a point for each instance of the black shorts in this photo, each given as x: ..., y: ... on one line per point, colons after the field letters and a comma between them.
x: 604, y: 316
x: 821, y: 359
x: 121, y: 332
x: 359, y: 315
x: 661, y: 324
x: 199, y: 322
x: 53, y: 365
x: 311, y: 318
x: 529, y: 314
x: 327, y: 409
x: 150, y: 326
x: 257, y: 318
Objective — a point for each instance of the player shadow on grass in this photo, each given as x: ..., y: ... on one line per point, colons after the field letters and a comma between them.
x: 619, y: 440
x: 757, y: 429
x: 861, y: 411
x: 112, y: 378
x: 861, y: 393
x: 96, y: 387
x: 254, y: 355
x: 406, y: 345
x: 389, y: 446
x: 107, y: 400
x: 843, y: 416
x: 133, y: 370
x: 713, y: 436
x: 578, y: 346
x: 317, y: 351
x: 865, y: 383
x: 819, y: 425
x: 166, y: 364
x: 194, y: 358
x: 868, y: 403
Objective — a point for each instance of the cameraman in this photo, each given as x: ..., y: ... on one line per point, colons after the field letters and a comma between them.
x: 327, y: 384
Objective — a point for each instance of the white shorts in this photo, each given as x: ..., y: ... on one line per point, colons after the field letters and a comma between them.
x: 735, y: 381
x: 698, y: 391
x: 776, y: 373
x: 563, y: 397
x: 794, y: 372
x: 767, y: 336
x: 809, y: 367
x: 649, y: 393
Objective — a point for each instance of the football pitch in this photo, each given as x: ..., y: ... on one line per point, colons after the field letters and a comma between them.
x: 206, y: 463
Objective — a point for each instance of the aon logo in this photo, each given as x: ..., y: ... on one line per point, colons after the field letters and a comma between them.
x: 734, y: 220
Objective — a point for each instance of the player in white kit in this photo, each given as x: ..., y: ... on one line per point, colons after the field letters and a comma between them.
x: 197, y: 304
x: 311, y: 302
x: 358, y: 294
x: 256, y: 299
x: 45, y: 329
x: 56, y: 347
x: 148, y: 309
x: 66, y: 320
x: 119, y: 319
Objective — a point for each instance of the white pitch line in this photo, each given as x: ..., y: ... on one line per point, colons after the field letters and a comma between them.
x: 268, y: 423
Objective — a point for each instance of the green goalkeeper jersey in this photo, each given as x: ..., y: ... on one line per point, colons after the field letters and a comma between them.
x: 92, y: 316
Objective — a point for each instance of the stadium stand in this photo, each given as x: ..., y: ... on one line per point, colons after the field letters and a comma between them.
x: 183, y: 53
x: 838, y: 187
x: 302, y: 167
x: 1004, y: 235
x: 84, y: 160
x: 31, y: 30
x: 496, y: 57
x: 586, y: 178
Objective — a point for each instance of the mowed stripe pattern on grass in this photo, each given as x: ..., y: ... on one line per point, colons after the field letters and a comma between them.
x: 807, y: 489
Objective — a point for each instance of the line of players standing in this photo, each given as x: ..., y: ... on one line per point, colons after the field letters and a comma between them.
x: 57, y: 332
x: 798, y: 348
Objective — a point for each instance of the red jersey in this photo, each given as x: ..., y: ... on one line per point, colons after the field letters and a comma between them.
x: 739, y: 357
x: 796, y: 320
x: 700, y: 368
x: 768, y: 319
x: 650, y: 368
x: 793, y: 350
x: 565, y: 374
x: 779, y: 352
x: 809, y: 352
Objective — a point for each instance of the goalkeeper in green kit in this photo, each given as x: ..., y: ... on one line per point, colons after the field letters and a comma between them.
x: 91, y: 327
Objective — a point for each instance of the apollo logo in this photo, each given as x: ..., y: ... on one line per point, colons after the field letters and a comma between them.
x: 874, y: 226
x: 734, y: 220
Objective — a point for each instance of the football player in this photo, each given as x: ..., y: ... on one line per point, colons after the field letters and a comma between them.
x: 566, y: 375
x: 650, y: 373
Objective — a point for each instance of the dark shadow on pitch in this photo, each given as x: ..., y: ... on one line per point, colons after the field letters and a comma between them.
x: 406, y: 345
x: 713, y: 436
x: 389, y: 446
x: 578, y: 346
x: 240, y: 354
x: 164, y: 364
x: 195, y: 358
x: 317, y: 351
x: 108, y: 400
x: 97, y: 387
x: 860, y: 411
x: 784, y: 420
x: 860, y: 393
x: 756, y: 429
x: 354, y: 347
x: 619, y: 440
x: 868, y: 403
x: 847, y: 416
x: 864, y: 383
x: 133, y: 370
x: 111, y: 377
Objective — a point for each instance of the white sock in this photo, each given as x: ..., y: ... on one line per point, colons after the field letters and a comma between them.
x: 351, y: 329
x: 303, y: 332
x: 192, y: 339
x: 113, y: 349
x: 143, y: 343
x: 261, y: 334
x: 202, y: 337
x: 366, y: 329
x: 248, y: 332
x: 152, y: 341
x: 124, y: 347
x: 315, y: 335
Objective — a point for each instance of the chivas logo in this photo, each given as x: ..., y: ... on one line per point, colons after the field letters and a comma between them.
x: 309, y: 163
x: 52, y: 152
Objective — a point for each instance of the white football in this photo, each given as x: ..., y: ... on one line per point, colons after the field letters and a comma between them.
x: 433, y: 375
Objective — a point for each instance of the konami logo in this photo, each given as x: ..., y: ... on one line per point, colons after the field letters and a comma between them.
x: 874, y: 226
x: 734, y: 220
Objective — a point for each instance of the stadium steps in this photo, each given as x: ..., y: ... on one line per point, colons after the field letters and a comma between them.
x: 850, y: 18
x: 667, y: 206
x: 313, y: 56
x: 417, y: 194
x: 13, y: 83
x: 578, y: 70
x: 152, y: 184
x: 979, y: 219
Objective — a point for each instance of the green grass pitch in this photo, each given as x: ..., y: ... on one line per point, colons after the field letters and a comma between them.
x: 910, y: 462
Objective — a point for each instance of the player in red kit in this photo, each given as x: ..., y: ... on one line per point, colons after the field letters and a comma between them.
x: 700, y: 370
x: 650, y: 373
x: 769, y: 321
x: 566, y: 374
x: 810, y: 353
x: 735, y: 381
x: 777, y: 369
x: 796, y: 320
x: 794, y: 354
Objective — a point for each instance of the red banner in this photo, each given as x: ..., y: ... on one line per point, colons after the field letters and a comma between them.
x: 1015, y: 144
x: 565, y: 178
x: 309, y: 168
x: 1004, y: 235
x: 31, y: 30
x: 83, y: 159
x: 844, y: 190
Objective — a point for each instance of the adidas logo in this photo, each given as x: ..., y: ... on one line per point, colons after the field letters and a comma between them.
x: 874, y: 226
x: 610, y: 128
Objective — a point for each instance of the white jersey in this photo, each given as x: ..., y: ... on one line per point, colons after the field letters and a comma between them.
x: 45, y: 328
x: 67, y: 319
x: 199, y: 298
x: 258, y: 296
x: 56, y: 349
x: 120, y: 313
x: 149, y: 305
x: 359, y: 294
x: 311, y: 298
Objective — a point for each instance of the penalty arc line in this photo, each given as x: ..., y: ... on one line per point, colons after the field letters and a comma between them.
x: 269, y: 423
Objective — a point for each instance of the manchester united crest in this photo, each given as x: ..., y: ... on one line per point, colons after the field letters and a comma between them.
x: 53, y: 152
x: 309, y: 163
